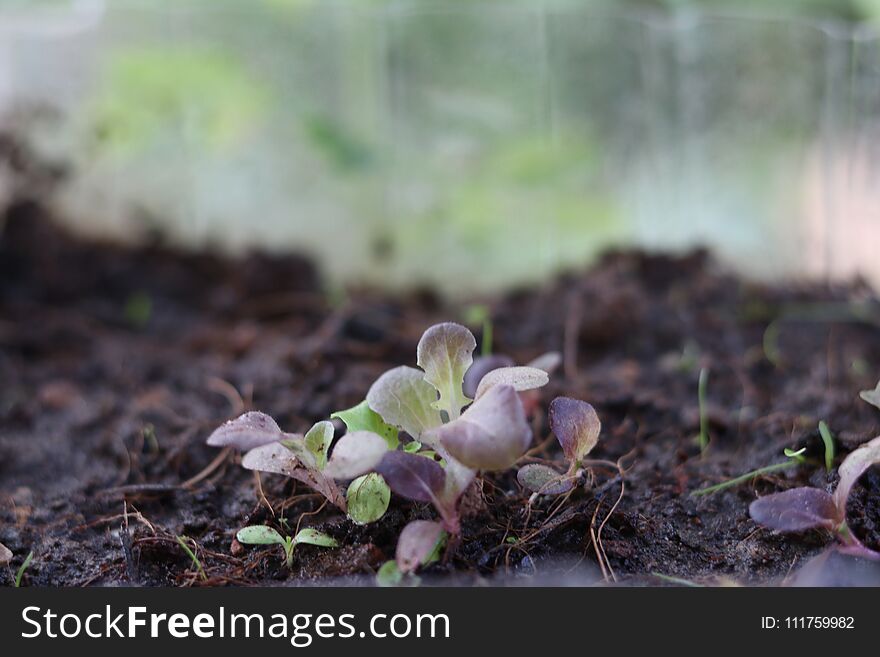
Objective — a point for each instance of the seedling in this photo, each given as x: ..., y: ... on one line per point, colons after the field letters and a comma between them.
x: 262, y: 535
x: 181, y: 540
x: 828, y: 440
x: 704, y: 418
x: 301, y: 457
x: 23, y: 567
x: 479, y: 314
x: 576, y: 426
x: 794, y: 458
x: 803, y: 508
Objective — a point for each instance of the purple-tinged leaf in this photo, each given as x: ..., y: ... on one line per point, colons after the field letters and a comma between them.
x: 518, y: 378
x: 576, y: 426
x: 355, y: 454
x: 544, y: 480
x: 481, y: 367
x: 458, y: 478
x: 548, y: 362
x: 445, y: 353
x: 491, y: 435
x: 277, y: 459
x: 404, y: 399
x: 871, y: 396
x: 795, y: 510
x: 296, y: 443
x: 413, y: 476
x: 246, y: 432
x: 416, y: 544
x: 5, y: 555
x: 853, y: 467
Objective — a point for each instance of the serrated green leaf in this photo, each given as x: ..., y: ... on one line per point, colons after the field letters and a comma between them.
x: 311, y: 536
x: 364, y: 418
x: 368, y: 498
x: 445, y: 353
x: 259, y: 535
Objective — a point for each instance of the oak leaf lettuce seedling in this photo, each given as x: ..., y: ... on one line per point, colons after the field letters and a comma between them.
x: 804, y: 508
x: 262, y: 535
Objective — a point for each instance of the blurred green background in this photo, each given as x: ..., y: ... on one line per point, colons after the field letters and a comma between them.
x: 464, y: 144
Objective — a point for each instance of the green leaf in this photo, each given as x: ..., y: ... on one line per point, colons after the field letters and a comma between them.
x: 445, y: 353
x: 403, y: 398
x: 412, y: 447
x: 368, y: 498
x: 364, y: 418
x: 311, y: 536
x: 389, y: 574
x: 259, y: 535
x: 318, y: 440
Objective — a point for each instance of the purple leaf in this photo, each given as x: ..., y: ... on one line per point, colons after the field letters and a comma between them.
x: 853, y: 467
x: 544, y: 480
x: 481, y: 367
x: 576, y: 426
x: 795, y: 510
x: 416, y: 544
x: 415, y: 477
x: 491, y: 435
x: 246, y: 432
x: 355, y: 453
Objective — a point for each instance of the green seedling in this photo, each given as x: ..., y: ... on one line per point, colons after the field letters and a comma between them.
x: 23, y: 567
x: 479, y: 314
x: 828, y: 440
x: 368, y: 498
x: 182, y: 541
x: 262, y: 535
x: 794, y: 458
x: 704, y: 417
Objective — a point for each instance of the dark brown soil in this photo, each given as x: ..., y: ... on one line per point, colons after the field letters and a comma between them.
x: 116, y: 364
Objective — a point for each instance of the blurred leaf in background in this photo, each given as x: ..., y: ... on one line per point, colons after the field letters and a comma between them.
x: 184, y: 92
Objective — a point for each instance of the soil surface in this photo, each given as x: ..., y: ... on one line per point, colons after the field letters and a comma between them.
x: 116, y: 363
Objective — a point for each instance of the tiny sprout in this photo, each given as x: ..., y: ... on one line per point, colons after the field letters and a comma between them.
x: 804, y: 508
x: 368, y: 497
x: 704, y: 417
x: 262, y: 535
x: 182, y: 541
x: 828, y: 440
x: 23, y: 567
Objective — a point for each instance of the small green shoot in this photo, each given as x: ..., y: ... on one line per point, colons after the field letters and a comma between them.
x: 23, y: 567
x: 479, y: 314
x: 794, y: 458
x: 262, y: 535
x: 198, y: 564
x: 704, y: 418
x: 828, y: 439
x: 389, y: 575
x: 138, y: 309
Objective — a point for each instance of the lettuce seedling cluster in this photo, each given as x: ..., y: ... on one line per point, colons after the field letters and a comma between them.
x: 449, y: 437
